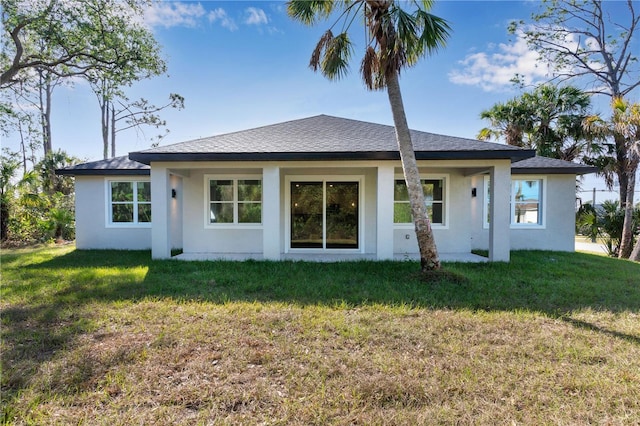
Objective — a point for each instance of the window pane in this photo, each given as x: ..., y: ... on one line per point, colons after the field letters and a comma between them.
x: 144, y: 213
x: 402, y: 213
x: 221, y: 190
x: 342, y: 215
x: 526, y: 190
x: 144, y: 191
x: 435, y: 213
x: 221, y: 213
x: 121, y: 191
x: 526, y: 213
x: 122, y: 213
x: 306, y: 215
x: 432, y: 189
x: 250, y: 213
x: 249, y: 190
x: 400, y: 191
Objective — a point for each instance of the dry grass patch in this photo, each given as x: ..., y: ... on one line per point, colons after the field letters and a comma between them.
x: 199, y: 363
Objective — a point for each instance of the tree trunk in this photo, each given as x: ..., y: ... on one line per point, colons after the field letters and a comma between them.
x: 4, y: 218
x: 104, y: 122
x: 23, y: 149
x: 47, y: 116
x: 635, y: 254
x: 626, y: 241
x: 426, y: 243
x: 44, y: 97
x: 113, y: 132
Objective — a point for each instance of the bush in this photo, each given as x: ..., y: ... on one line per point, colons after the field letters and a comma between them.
x: 605, y: 221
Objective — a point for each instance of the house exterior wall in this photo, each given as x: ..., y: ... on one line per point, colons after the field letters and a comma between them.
x: 175, y: 216
x: 186, y: 217
x: 197, y: 238
x: 559, y: 224
x: 453, y: 237
x: 92, y: 230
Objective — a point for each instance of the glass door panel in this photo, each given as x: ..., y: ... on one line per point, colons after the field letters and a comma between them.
x: 342, y: 215
x: 306, y: 215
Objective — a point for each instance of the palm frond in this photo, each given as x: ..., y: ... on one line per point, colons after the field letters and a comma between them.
x: 335, y: 60
x: 369, y: 68
x: 324, y: 41
x: 435, y: 32
x: 309, y: 11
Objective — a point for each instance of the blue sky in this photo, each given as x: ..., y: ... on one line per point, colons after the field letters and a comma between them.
x: 243, y: 64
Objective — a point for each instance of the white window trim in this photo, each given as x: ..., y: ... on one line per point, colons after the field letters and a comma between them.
x: 315, y: 178
x: 108, y: 210
x: 542, y: 204
x: 207, y: 201
x: 445, y: 200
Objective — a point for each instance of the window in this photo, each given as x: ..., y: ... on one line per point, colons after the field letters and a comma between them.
x: 525, y: 198
x: 129, y: 202
x: 433, y: 199
x: 235, y: 201
x: 526, y: 202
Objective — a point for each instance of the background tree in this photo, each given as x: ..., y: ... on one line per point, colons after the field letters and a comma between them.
x: 508, y: 120
x: 395, y: 39
x: 75, y: 32
x: 118, y: 112
x: 23, y: 121
x: 580, y: 42
x: 548, y: 119
x: 9, y: 166
x: 625, y: 125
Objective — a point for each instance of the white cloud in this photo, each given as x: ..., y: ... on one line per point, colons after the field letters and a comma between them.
x: 220, y: 15
x: 494, y: 71
x: 173, y: 14
x: 255, y: 16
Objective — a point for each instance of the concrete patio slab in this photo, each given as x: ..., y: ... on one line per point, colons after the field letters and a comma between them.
x: 327, y: 257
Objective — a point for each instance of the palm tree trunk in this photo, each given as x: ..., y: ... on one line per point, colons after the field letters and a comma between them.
x: 426, y: 243
x: 626, y: 242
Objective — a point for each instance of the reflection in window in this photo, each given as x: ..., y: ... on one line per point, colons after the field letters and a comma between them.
x: 433, y: 199
x: 525, y: 202
x: 130, y: 202
x: 235, y: 201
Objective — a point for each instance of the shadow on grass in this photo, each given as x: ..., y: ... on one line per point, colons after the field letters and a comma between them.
x: 549, y: 282
x: 43, y: 300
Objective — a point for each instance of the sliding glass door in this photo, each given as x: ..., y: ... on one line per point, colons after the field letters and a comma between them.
x: 324, y: 215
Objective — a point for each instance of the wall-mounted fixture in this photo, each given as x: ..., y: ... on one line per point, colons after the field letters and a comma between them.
x: 474, y: 192
x: 173, y: 193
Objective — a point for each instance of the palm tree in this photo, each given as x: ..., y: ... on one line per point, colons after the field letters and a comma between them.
x: 624, y: 128
x: 549, y: 120
x: 626, y: 121
x: 396, y: 39
x: 507, y: 119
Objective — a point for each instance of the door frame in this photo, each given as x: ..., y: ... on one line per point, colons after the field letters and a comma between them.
x: 324, y: 179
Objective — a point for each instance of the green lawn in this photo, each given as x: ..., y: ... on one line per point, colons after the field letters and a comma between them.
x: 108, y: 337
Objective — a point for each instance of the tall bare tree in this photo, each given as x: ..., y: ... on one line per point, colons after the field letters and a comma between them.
x: 395, y: 39
x: 581, y: 42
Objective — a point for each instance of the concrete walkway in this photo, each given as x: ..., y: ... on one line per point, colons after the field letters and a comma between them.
x: 590, y: 247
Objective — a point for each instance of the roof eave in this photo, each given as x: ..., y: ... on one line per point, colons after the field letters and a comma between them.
x: 584, y: 170
x: 103, y: 172
x: 147, y: 158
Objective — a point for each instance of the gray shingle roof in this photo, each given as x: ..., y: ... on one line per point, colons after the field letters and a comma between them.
x: 112, y: 166
x: 540, y: 165
x: 324, y: 137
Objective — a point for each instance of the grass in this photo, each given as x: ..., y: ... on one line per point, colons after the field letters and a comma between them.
x: 107, y: 337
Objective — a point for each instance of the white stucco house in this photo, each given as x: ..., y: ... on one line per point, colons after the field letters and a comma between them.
x: 323, y: 186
